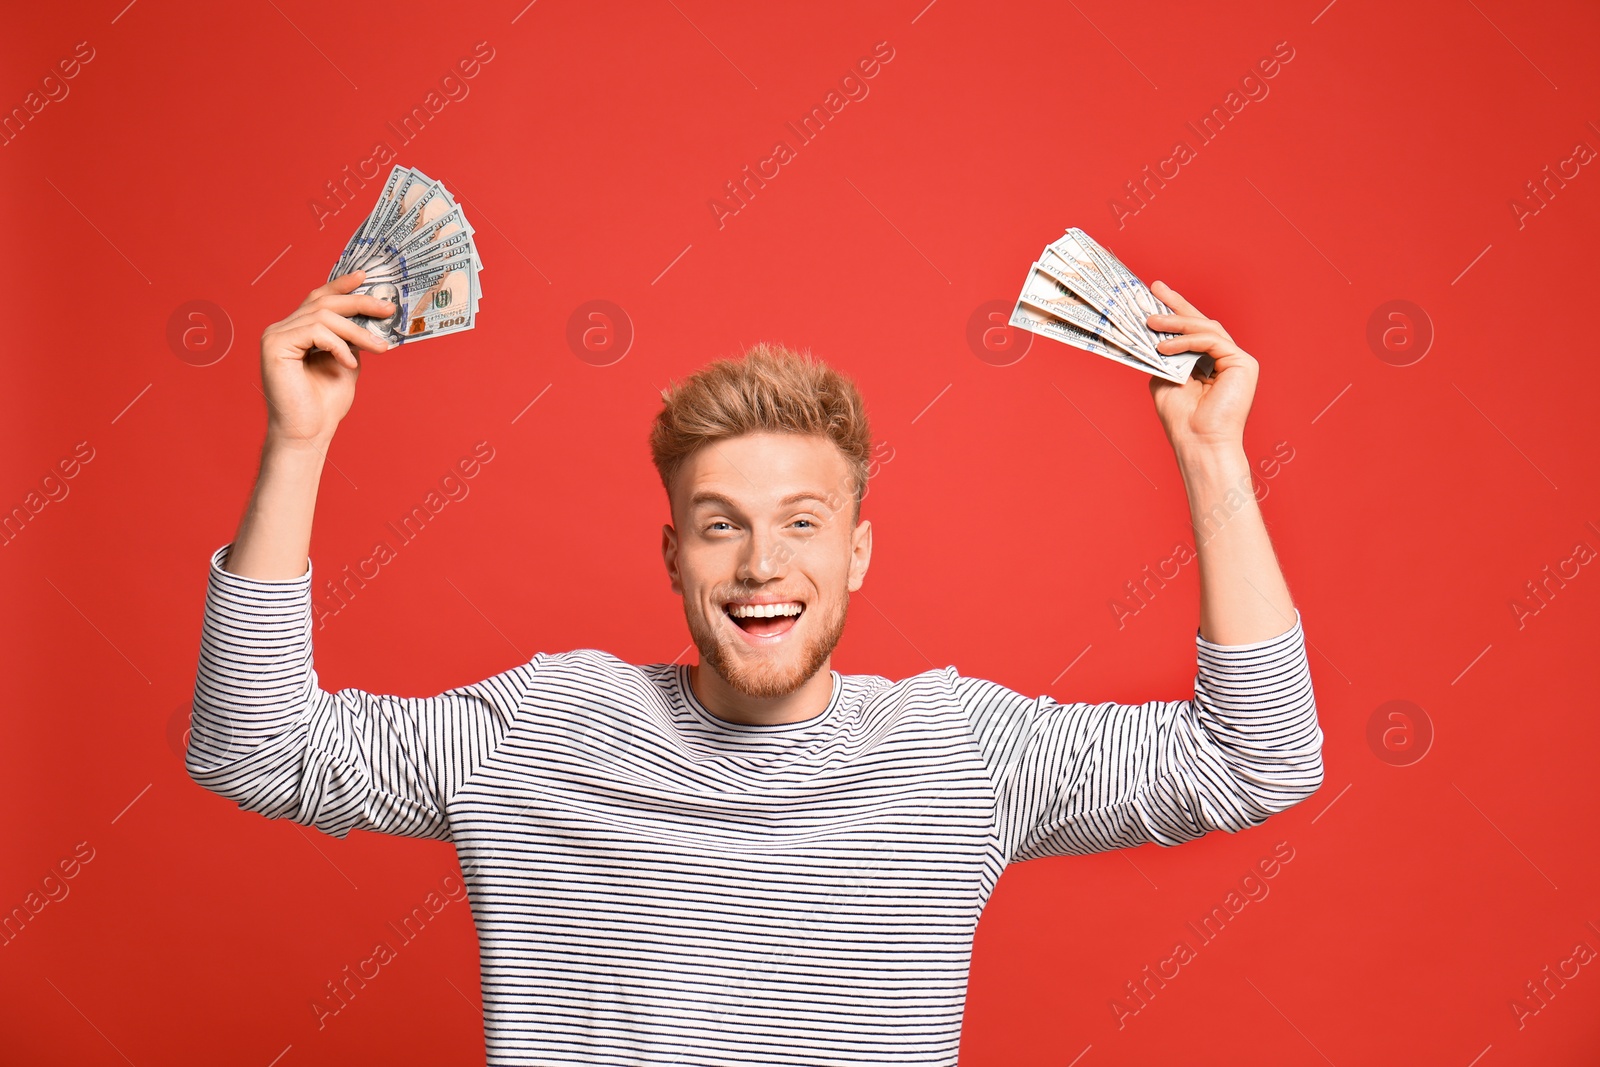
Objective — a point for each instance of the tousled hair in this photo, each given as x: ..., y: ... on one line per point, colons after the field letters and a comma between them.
x: 770, y: 389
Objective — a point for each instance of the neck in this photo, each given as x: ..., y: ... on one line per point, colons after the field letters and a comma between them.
x: 732, y: 705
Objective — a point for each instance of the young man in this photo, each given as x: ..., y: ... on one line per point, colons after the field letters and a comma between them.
x: 754, y: 859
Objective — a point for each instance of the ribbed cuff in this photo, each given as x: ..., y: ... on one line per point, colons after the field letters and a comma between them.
x: 1291, y: 635
x: 228, y: 579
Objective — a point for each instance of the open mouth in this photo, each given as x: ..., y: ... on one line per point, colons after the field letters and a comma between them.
x: 765, y: 622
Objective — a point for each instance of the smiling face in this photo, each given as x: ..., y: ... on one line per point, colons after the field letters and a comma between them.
x: 762, y: 529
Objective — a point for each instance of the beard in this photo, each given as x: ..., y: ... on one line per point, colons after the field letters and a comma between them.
x: 763, y: 674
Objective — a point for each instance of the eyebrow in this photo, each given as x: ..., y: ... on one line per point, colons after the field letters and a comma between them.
x: 707, y: 496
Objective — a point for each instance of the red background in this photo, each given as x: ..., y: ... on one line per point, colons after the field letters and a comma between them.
x: 1014, y: 502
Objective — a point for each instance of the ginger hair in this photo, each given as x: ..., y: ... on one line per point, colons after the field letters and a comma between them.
x: 769, y: 389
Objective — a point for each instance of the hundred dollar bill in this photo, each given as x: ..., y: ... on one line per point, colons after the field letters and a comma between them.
x: 446, y: 304
x: 413, y: 240
x: 429, y: 261
x: 1085, y: 266
x: 1093, y: 269
x: 449, y: 306
x: 410, y: 220
x: 1132, y: 289
x: 1047, y: 325
x: 1089, y: 287
x: 1080, y: 294
x: 418, y: 251
x: 1121, y: 324
x: 425, y: 304
x: 407, y: 185
x: 1127, y: 286
x: 1140, y: 339
x: 434, y: 224
x: 1044, y: 292
x: 362, y: 231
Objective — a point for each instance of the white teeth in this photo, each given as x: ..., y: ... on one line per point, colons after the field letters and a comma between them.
x: 762, y: 611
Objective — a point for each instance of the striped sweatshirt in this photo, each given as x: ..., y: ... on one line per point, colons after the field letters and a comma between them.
x: 652, y: 884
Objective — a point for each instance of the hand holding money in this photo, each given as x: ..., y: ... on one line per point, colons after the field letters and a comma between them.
x: 1202, y: 412
x: 308, y: 361
x: 1080, y: 294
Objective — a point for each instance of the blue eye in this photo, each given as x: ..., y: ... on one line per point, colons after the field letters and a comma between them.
x: 723, y: 522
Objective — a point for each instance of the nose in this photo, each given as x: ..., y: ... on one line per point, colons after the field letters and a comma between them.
x: 763, y: 559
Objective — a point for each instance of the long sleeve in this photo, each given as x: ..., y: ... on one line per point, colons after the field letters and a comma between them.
x: 1078, y: 778
x: 265, y: 735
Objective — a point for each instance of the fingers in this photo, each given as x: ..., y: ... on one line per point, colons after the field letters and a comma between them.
x: 1179, y: 323
x: 1221, y: 349
x: 1172, y: 299
x: 348, y: 304
x: 1198, y: 341
x: 325, y: 330
x: 1186, y: 318
x: 348, y: 329
x: 311, y: 336
x: 1205, y: 336
x: 1187, y: 324
x: 342, y: 284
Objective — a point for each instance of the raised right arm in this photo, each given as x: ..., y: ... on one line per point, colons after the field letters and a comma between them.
x: 263, y: 733
x: 308, y: 375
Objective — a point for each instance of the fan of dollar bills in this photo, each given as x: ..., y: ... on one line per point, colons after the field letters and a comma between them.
x: 417, y: 250
x: 1080, y: 294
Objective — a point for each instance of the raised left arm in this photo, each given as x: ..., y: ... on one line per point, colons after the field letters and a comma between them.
x: 1243, y: 596
x: 1074, y: 778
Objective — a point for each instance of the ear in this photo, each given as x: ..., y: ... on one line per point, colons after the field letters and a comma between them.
x: 860, y: 554
x: 669, y: 555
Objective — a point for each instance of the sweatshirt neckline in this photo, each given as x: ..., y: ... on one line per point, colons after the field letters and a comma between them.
x: 700, y: 711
